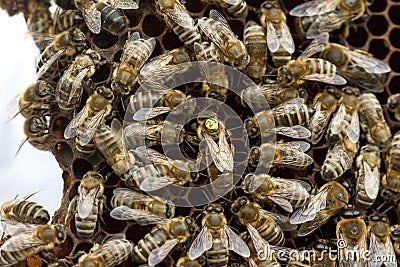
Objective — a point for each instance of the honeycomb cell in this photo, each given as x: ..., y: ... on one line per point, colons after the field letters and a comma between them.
x: 63, y: 154
x: 357, y: 37
x: 394, y: 37
x: 394, y: 61
x: 67, y: 179
x: 104, y: 39
x: 378, y: 6
x: 394, y: 84
x: 59, y: 127
x: 379, y: 48
x: 394, y: 12
x: 112, y: 226
x: 377, y: 25
x: 134, y: 16
x: 102, y: 74
x: 237, y: 27
x: 80, y: 167
x: 66, y: 248
x: 253, y: 16
x: 194, y: 6
x: 153, y: 26
x: 83, y: 247
x: 158, y: 50
x: 171, y: 41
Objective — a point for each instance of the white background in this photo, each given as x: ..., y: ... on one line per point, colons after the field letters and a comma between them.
x: 31, y: 170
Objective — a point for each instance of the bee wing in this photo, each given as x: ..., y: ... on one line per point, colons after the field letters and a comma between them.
x: 158, y: 255
x: 91, y: 15
x: 22, y: 241
x: 377, y: 250
x: 235, y: 243
x: 272, y: 38
x: 91, y: 128
x: 283, y: 203
x: 260, y: 244
x: 285, y: 189
x: 153, y: 155
x: 288, y: 106
x: 315, y: 46
x: 124, y: 4
x: 297, y: 145
x: 337, y: 120
x: 201, y: 244
x: 14, y: 228
x: 148, y: 113
x: 391, y: 254
x: 116, y: 130
x: 132, y: 48
x: 368, y: 63
x: 221, y: 154
x: 45, y: 67
x: 283, y: 221
x: 286, y: 39
x: 369, y: 81
x: 152, y: 183
x: 339, y: 154
x: 232, y: 2
x: 72, y: 127
x: 211, y: 33
x: 353, y: 130
x: 129, y: 46
x: 142, y: 217
x: 180, y: 15
x: 372, y: 180
x: 313, y: 8
x: 123, y: 193
x: 327, y: 23
x: 330, y: 78
x: 85, y: 203
x: 77, y: 84
x: 13, y: 108
x: 296, y: 131
x: 310, y: 210
x: 318, y: 123
x: 154, y: 65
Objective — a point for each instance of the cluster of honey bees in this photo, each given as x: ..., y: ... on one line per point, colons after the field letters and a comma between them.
x: 333, y: 163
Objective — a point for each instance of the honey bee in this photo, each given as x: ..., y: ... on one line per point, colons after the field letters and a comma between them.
x: 320, y: 255
x: 98, y: 14
x: 254, y: 260
x: 216, y: 238
x: 162, y: 172
x: 162, y: 239
x: 36, y: 130
x: 25, y: 211
x: 279, y: 40
x: 351, y: 230
x: 346, y: 123
x: 358, y: 67
x: 65, y: 19
x: 311, y: 69
x: 368, y: 176
x: 372, y: 120
x: 84, y: 125
x: 380, y: 244
x: 185, y: 261
x: 135, y: 53
x: 88, y: 204
x: 109, y: 142
x: 217, y: 29
x: 113, y: 252
x: 67, y: 43
x: 70, y: 86
x: 393, y: 104
x: 325, y: 204
x: 174, y: 10
x: 287, y: 118
x: 29, y: 239
x: 132, y: 205
x: 289, y: 154
x: 329, y: 15
x: 339, y: 159
x: 391, y: 181
x: 287, y: 193
x: 325, y: 103
x: 35, y: 98
x: 39, y: 21
x: 235, y: 8
x: 255, y: 41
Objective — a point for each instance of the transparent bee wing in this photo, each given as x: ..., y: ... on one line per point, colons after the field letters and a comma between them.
x: 368, y: 81
x: 222, y: 157
x: 315, y: 46
x: 72, y: 127
x: 14, y: 228
x: 235, y: 243
x: 123, y: 193
x: 318, y: 123
x: 313, y: 8
x: 368, y: 63
x: 337, y: 120
x: 22, y: 241
x: 158, y: 255
x: 13, y: 108
x: 272, y: 38
x: 288, y: 106
x: 215, y: 15
x: 326, y: 78
x: 353, y: 130
x: 260, y: 244
x: 327, y: 23
x: 296, y: 131
x: 116, y: 130
x: 287, y: 40
x: 85, y: 202
x: 372, y: 180
x: 152, y: 183
x: 45, y: 67
x: 339, y: 154
x: 310, y: 210
x: 180, y: 15
x: 142, y: 217
x: 124, y: 4
x: 298, y: 145
x: 283, y: 203
x: 390, y: 254
x: 283, y: 221
x: 91, y: 15
x: 149, y: 113
x: 154, y: 65
x: 210, y: 33
x: 91, y: 128
x: 152, y: 154
x: 231, y: 2
x: 77, y: 84
x: 201, y: 244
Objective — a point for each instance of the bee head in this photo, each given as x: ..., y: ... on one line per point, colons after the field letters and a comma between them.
x: 284, y: 76
x: 105, y: 92
x: 120, y: 88
x: 238, y: 204
x: 77, y: 36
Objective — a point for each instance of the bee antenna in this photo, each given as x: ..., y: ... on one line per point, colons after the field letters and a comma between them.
x: 386, y: 210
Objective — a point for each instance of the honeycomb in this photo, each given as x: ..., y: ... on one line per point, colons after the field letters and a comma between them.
x: 378, y: 33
